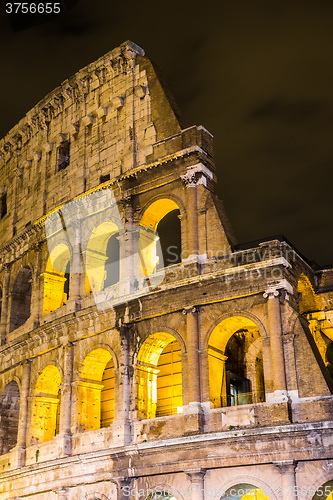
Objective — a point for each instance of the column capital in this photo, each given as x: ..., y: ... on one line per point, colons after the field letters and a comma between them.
x: 195, y: 473
x: 286, y: 465
x: 196, y: 174
x: 280, y: 288
x: 190, y: 310
x: 190, y: 179
x: 62, y: 493
x: 271, y: 293
x: 121, y: 482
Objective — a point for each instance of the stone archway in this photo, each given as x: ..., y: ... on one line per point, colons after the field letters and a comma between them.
x: 9, y: 417
x: 159, y: 376
x: 236, y: 376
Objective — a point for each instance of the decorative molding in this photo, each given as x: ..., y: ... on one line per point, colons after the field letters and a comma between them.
x: 274, y: 290
x: 197, y: 174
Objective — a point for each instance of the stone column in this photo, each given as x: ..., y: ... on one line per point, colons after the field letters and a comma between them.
x: 76, y: 267
x: 287, y: 470
x: 193, y: 365
x: 190, y: 181
x: 66, y: 399
x: 217, y: 388
x: 122, y: 423
x: 267, y: 363
x: 5, y: 304
x: 197, y: 488
x: 276, y: 343
x: 36, y: 289
x: 23, y: 418
x: 127, y: 252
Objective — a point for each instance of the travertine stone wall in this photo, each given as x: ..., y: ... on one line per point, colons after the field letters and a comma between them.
x: 263, y: 310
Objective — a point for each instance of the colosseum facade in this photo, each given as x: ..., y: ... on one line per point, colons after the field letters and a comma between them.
x: 144, y: 353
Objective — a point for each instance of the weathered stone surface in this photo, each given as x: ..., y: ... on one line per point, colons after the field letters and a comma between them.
x: 122, y: 373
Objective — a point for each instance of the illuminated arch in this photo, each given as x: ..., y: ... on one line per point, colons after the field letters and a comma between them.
x: 239, y: 313
x: 102, y: 268
x: 96, y: 391
x: 46, y: 406
x: 56, y: 278
x: 322, y: 491
x: 9, y: 417
x: 159, y: 376
x: 245, y: 491
x: 20, y: 299
x: 321, y: 329
x: 156, y: 210
x: 310, y: 301
x: 162, y: 216
x: 236, y: 374
x: 161, y: 494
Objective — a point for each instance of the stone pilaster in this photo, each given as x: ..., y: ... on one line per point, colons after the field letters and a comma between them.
x: 127, y: 267
x: 288, y: 479
x: 75, y: 269
x: 5, y: 304
x: 193, y: 371
x: 197, y: 488
x: 122, y: 423
x: 23, y: 418
x: 66, y: 398
x: 36, y: 288
x: 190, y: 181
x: 276, y: 344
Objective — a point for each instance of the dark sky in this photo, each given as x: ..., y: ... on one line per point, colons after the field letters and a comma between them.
x: 258, y: 74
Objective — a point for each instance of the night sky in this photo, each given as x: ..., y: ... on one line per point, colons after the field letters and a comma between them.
x: 257, y: 74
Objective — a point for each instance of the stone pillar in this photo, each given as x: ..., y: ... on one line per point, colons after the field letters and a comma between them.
x: 66, y: 399
x: 190, y: 181
x: 122, y: 423
x: 23, y: 418
x: 193, y: 365
x: 76, y: 267
x: 197, y: 488
x: 276, y: 343
x: 267, y: 363
x: 36, y: 289
x: 288, y: 479
x: 127, y: 237
x: 217, y: 386
x: 5, y: 304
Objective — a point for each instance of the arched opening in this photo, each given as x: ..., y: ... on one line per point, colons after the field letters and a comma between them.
x: 169, y: 233
x: 161, y: 493
x: 20, y: 299
x: 324, y: 492
x: 46, y: 406
x: 329, y: 359
x: 309, y: 301
x: 163, y: 218
x: 321, y: 329
x: 57, y: 279
x: 102, y: 257
x: 96, y: 391
x: 236, y: 374
x: 159, y: 376
x: 9, y: 417
x: 112, y: 261
x: 245, y: 491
